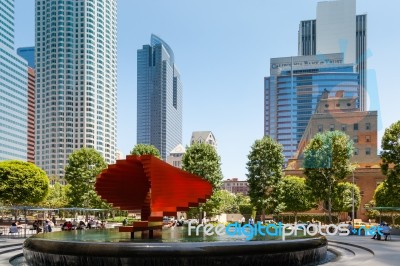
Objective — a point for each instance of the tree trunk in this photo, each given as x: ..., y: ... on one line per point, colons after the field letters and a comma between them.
x: 295, y: 217
x: 263, y: 215
x: 330, y: 204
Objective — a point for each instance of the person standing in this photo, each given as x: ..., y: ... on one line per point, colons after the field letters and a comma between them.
x: 243, y: 220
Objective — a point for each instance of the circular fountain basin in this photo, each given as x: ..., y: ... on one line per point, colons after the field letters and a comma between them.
x: 174, y: 247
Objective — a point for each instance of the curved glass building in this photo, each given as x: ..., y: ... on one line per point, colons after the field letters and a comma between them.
x: 294, y: 89
x: 76, y: 80
x: 159, y: 97
x: 13, y: 90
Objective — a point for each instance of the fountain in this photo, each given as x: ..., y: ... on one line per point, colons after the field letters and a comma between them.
x: 159, y: 189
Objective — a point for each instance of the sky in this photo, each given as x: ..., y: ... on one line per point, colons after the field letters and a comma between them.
x: 222, y: 50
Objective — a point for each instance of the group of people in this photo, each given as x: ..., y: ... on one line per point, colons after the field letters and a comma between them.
x: 242, y: 221
x: 47, y: 226
x: 384, y: 229
x: 74, y: 225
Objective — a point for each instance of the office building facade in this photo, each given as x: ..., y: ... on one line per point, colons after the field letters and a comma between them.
x: 76, y: 80
x: 235, y: 186
x: 337, y: 29
x: 336, y: 112
x: 13, y: 90
x: 159, y: 97
x: 294, y: 88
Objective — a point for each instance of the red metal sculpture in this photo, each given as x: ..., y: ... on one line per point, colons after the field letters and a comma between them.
x: 153, y: 186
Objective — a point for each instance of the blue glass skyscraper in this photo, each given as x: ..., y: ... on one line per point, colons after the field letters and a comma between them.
x: 13, y: 90
x: 294, y: 88
x: 159, y: 97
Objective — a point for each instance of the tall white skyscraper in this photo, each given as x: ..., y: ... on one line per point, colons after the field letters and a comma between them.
x: 76, y: 80
x: 13, y: 90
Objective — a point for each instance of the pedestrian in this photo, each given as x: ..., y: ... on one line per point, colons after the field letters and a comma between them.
x: 243, y: 220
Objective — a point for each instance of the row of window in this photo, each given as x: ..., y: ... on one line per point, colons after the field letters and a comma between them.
x: 367, y: 126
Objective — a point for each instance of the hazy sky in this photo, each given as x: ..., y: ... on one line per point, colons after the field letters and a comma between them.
x: 222, y: 49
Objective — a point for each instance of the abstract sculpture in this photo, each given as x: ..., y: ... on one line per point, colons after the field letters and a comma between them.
x: 153, y: 186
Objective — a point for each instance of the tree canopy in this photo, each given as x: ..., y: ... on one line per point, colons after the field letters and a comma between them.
x: 294, y: 195
x: 385, y: 197
x: 83, y: 167
x: 264, y: 166
x: 203, y: 160
x: 326, y: 163
x: 222, y: 201
x: 145, y: 149
x: 22, y: 183
x: 342, y: 197
x: 57, y: 197
x: 391, y: 165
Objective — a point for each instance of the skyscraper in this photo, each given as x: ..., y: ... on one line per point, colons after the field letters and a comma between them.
x: 13, y: 90
x: 159, y: 97
x: 294, y: 88
x: 76, y: 80
x: 338, y: 29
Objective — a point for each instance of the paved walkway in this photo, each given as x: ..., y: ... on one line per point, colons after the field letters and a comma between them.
x: 362, y: 250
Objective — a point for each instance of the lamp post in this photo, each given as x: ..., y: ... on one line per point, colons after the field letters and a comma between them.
x: 352, y: 205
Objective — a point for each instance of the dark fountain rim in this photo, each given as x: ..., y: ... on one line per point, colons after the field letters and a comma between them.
x: 156, y: 249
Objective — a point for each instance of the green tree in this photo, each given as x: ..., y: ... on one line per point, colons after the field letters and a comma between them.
x: 342, y: 197
x: 83, y: 167
x: 22, y: 183
x: 326, y: 163
x: 294, y: 195
x: 222, y: 201
x: 384, y: 197
x: 202, y: 159
x: 390, y: 167
x: 57, y: 197
x: 145, y: 149
x: 264, y: 173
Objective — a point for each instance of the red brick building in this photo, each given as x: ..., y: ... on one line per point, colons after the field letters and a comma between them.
x: 235, y: 186
x: 31, y: 115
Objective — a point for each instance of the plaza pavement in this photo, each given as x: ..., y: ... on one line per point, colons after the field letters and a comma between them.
x: 362, y: 250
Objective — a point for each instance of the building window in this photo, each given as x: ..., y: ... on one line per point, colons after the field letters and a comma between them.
x: 331, y: 127
x: 356, y: 151
x: 368, y: 151
x: 367, y: 126
x: 320, y: 128
x: 344, y: 127
x: 355, y: 139
x: 356, y: 126
x: 367, y: 138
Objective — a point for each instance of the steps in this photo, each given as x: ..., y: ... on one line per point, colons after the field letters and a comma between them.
x: 9, y: 250
x: 349, y: 254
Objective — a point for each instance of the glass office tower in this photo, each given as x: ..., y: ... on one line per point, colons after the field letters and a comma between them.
x: 13, y: 90
x: 76, y: 80
x: 159, y: 97
x: 294, y: 89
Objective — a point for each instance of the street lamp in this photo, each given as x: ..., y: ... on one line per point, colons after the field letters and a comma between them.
x: 352, y: 197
